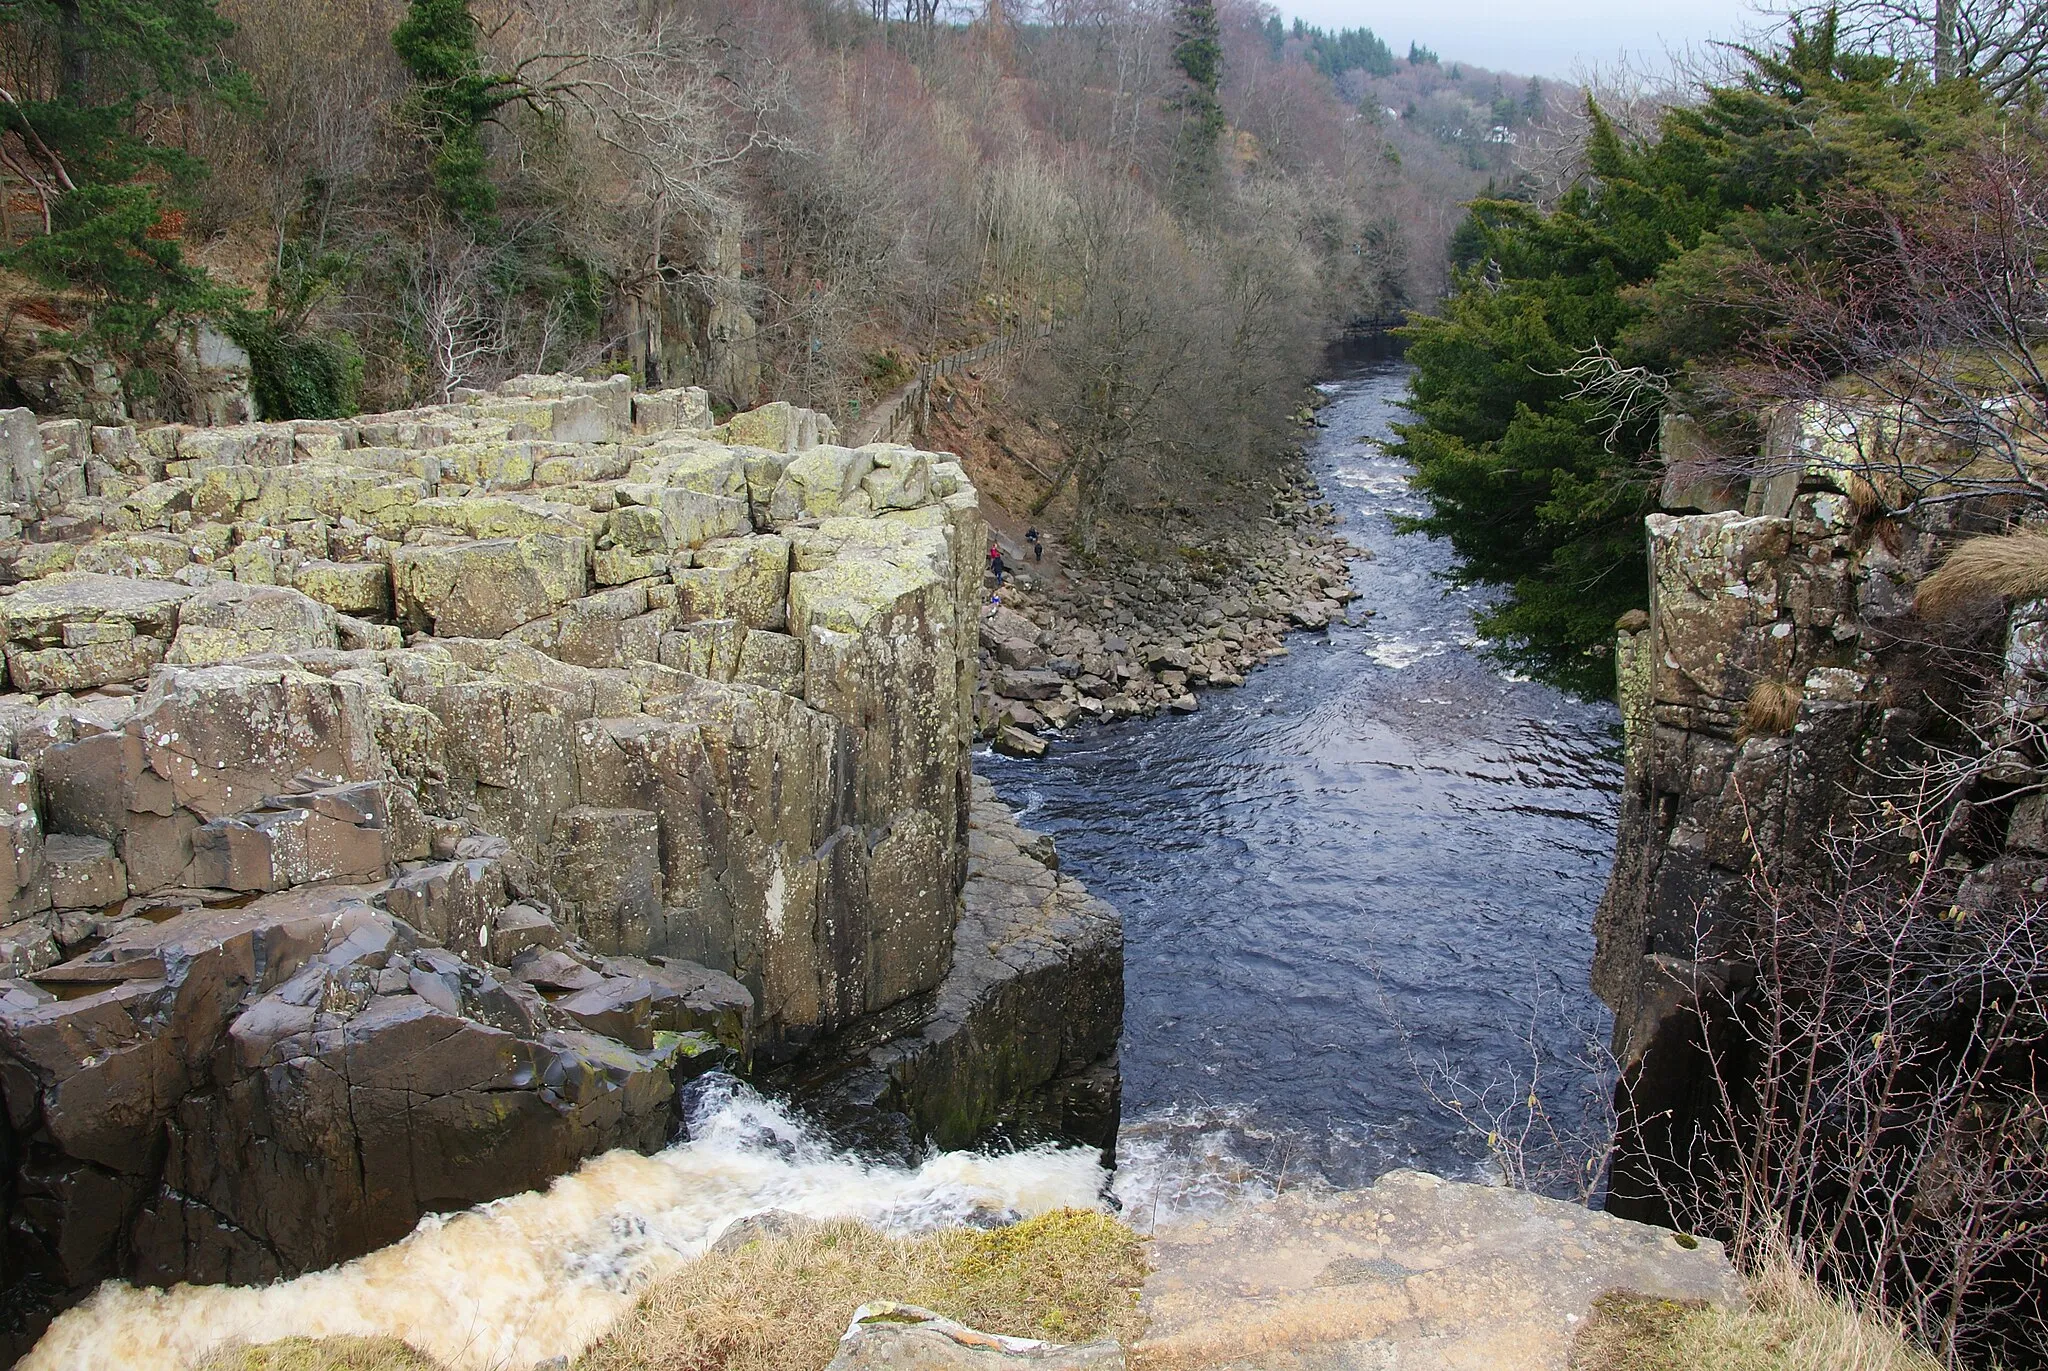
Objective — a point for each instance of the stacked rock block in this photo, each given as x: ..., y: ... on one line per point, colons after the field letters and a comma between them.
x: 399, y: 807
x: 1796, y: 594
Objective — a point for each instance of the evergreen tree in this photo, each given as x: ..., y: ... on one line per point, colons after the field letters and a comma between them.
x: 1198, y: 52
x: 108, y: 193
x: 1538, y: 487
x: 437, y: 41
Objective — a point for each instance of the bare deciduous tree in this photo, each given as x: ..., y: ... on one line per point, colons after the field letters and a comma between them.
x: 1915, y: 344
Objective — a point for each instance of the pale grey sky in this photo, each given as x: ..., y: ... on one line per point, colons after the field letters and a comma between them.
x: 1533, y: 37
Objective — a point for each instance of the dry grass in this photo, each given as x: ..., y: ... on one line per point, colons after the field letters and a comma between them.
x: 1772, y: 709
x: 2011, y: 565
x: 1790, y: 1326
x: 780, y: 1304
x: 322, y: 1354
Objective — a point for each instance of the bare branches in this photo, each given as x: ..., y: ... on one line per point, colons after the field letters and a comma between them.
x: 2000, y: 44
x: 1916, y: 351
x: 450, y: 304
x: 1533, y: 1144
x: 32, y: 159
x: 1880, y: 1070
x: 1626, y: 395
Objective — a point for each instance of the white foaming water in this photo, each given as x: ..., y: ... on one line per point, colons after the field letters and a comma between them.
x: 1193, y: 1161
x: 1398, y: 654
x: 542, y: 1274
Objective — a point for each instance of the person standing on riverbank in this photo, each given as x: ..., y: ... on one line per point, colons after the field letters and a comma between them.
x: 995, y: 563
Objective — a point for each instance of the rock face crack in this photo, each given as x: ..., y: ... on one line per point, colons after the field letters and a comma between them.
x: 400, y: 809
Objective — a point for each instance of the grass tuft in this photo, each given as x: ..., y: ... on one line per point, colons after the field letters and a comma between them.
x: 780, y: 1304
x: 1790, y: 1325
x: 321, y: 1354
x: 1772, y: 709
x: 2009, y: 565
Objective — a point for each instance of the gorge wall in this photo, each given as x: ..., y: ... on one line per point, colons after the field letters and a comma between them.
x: 1779, y: 683
x: 404, y: 808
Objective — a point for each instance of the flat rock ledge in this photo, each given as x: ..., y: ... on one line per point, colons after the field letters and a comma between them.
x: 1413, y: 1274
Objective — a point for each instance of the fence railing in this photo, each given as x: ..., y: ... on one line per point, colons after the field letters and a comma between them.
x: 902, y: 413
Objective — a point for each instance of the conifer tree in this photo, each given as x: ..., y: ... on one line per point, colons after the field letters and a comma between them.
x: 72, y: 133
x: 1198, y: 52
x: 437, y: 41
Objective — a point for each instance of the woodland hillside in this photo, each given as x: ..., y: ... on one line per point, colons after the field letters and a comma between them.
x: 385, y: 203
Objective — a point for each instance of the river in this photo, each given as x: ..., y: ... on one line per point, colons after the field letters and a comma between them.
x: 1360, y: 885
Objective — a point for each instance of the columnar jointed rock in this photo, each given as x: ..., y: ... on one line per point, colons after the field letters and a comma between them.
x: 1022, y: 1035
x: 1798, y: 604
x: 556, y: 740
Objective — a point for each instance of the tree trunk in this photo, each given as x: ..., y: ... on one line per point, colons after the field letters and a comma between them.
x: 1944, y: 40
x: 74, y: 57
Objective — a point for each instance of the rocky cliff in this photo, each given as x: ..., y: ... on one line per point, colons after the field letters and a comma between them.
x: 1778, y: 684
x: 403, y: 808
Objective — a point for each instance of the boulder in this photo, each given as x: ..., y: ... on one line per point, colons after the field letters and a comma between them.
x: 362, y: 589
x: 746, y: 579
x: 78, y: 631
x: 1028, y: 685
x: 1017, y: 743
x: 336, y: 833
x: 636, y: 1001
x: 83, y: 872
x: 823, y: 483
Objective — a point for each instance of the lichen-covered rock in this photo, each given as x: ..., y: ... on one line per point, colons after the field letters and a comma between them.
x: 542, y: 765
x: 486, y: 589
x: 227, y: 622
x: 83, y: 872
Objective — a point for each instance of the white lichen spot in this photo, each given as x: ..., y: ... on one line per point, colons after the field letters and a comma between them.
x: 776, y: 896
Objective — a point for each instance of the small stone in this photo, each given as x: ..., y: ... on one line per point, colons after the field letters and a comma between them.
x: 1017, y: 743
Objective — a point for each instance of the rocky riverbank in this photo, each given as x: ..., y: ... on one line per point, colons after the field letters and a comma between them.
x: 1129, y: 638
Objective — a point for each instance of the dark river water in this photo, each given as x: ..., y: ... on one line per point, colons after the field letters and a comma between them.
x: 1365, y: 879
